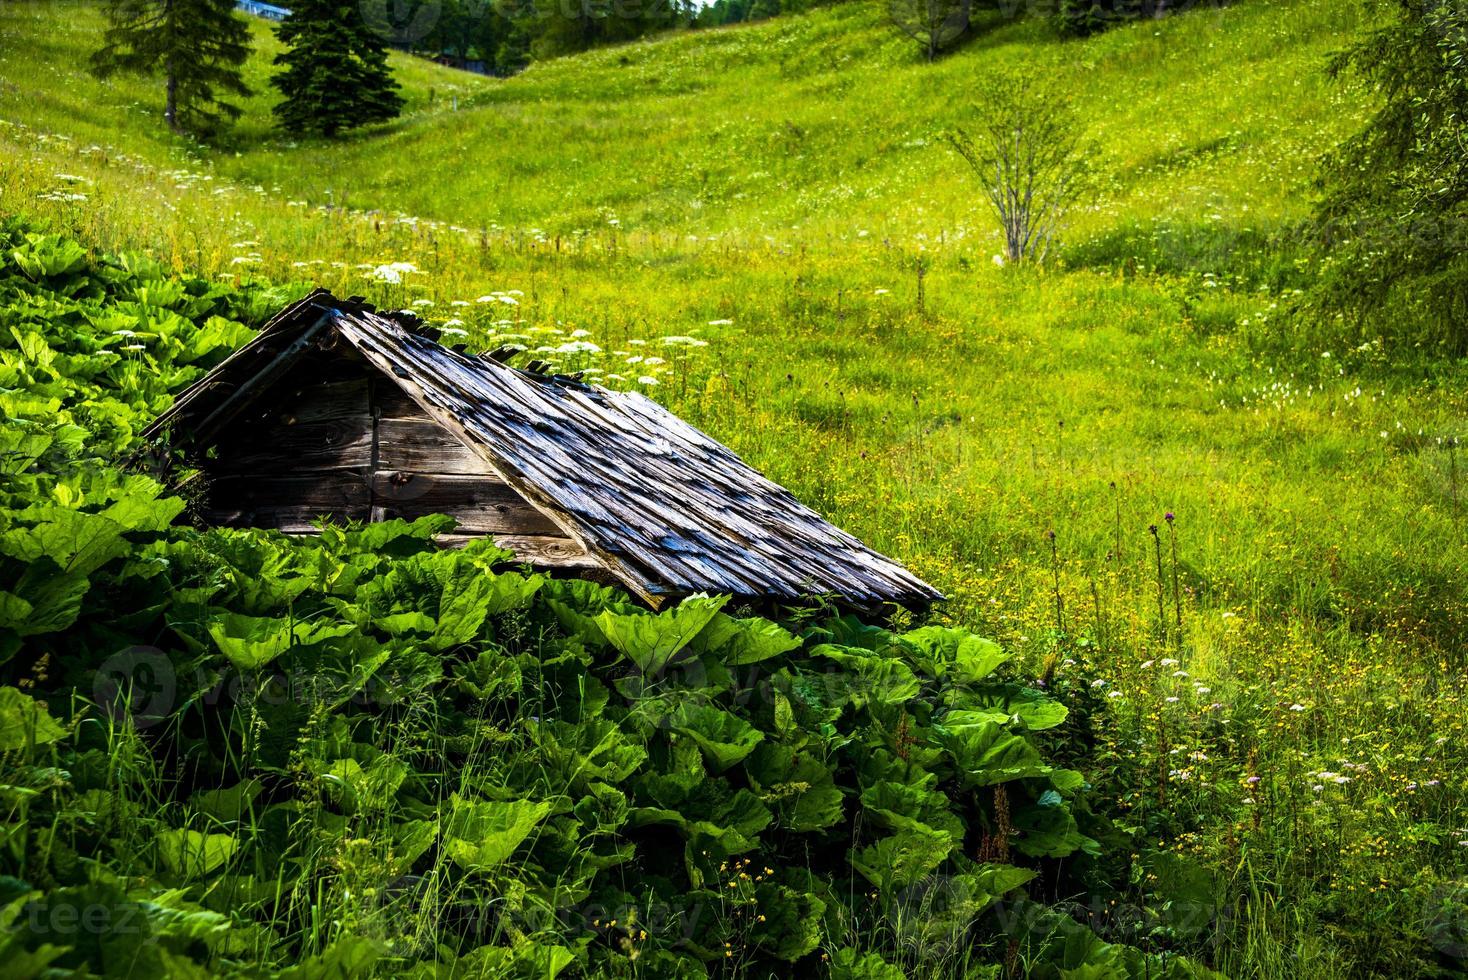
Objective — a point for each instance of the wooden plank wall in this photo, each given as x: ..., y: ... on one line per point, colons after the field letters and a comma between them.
x: 335, y: 439
x: 303, y: 450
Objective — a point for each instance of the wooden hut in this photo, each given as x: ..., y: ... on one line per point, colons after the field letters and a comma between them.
x: 341, y: 412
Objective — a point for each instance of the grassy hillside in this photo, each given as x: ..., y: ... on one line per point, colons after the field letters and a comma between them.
x: 774, y: 191
x: 822, y: 123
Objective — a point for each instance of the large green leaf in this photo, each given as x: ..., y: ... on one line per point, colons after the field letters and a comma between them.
x: 511, y: 590
x: 482, y: 835
x: 574, y: 754
x: 24, y: 721
x: 251, y: 642
x: 724, y: 738
x: 528, y: 960
x: 799, y: 785
x: 1050, y: 830
x: 937, y: 912
x: 988, y: 753
x: 78, y: 543
x: 864, y: 677
x: 463, y: 604
x: 191, y: 854
x: 228, y: 805
x: 789, y: 925
x: 140, y: 506
x: 901, y: 806
x: 849, y: 964
x: 55, y: 598
x: 958, y: 654
x: 903, y: 858
x: 48, y: 256
x: 743, y: 641
x: 734, y: 826
x: 346, y: 959
x: 652, y: 641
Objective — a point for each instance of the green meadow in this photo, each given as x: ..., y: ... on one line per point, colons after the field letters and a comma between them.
x: 1254, y: 592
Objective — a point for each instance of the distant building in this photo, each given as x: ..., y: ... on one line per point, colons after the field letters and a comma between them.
x: 257, y: 9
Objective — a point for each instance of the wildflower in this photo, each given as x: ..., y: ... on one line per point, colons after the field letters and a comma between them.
x: 647, y: 379
x: 392, y: 272
x: 1169, y: 662
x: 1148, y: 664
x: 721, y: 323
x: 1297, y: 707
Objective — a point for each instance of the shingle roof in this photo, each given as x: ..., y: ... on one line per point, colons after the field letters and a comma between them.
x: 667, y: 509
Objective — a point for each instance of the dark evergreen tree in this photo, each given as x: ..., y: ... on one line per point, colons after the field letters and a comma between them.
x: 1391, y: 225
x: 336, y: 75
x: 1082, y: 18
x: 475, y: 32
x: 566, y: 26
x: 196, y: 46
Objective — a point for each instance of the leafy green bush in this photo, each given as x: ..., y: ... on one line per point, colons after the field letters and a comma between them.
x: 235, y: 752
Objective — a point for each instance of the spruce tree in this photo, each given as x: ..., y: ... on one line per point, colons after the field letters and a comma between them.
x: 336, y: 75
x: 1392, y: 244
x: 196, y: 46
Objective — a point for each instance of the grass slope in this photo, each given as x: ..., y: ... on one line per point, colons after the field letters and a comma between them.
x: 773, y: 190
